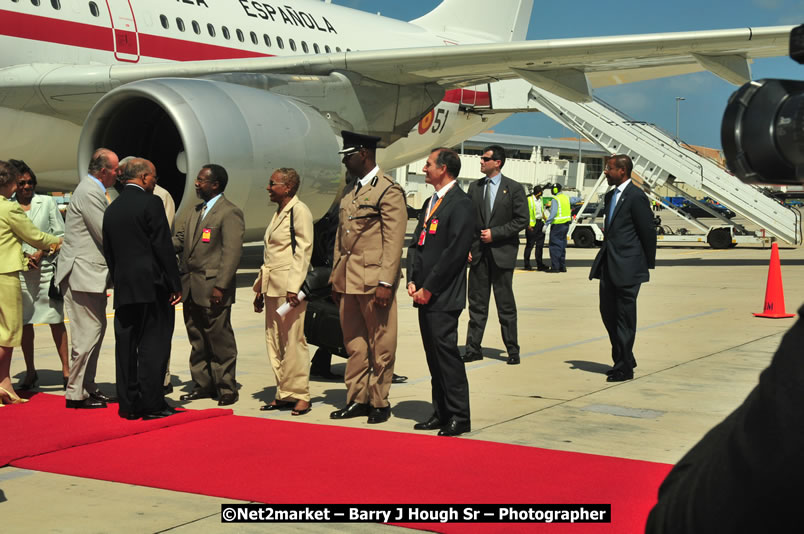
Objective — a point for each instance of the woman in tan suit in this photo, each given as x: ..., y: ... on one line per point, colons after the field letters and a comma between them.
x: 286, y: 260
x: 15, y: 227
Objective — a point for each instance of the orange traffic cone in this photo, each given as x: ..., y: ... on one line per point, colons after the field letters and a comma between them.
x: 774, y: 294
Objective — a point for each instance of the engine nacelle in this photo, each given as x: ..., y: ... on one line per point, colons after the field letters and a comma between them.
x: 181, y: 124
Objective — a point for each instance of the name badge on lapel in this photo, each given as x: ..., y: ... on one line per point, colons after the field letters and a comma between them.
x: 206, y: 233
x: 433, y: 226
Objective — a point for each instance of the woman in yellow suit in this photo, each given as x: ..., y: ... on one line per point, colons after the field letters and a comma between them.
x: 15, y: 227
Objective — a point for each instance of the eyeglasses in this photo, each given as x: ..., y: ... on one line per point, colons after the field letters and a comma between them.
x: 23, y: 183
x: 271, y: 183
x: 484, y: 158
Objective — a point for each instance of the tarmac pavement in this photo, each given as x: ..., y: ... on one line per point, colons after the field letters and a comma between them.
x: 699, y: 353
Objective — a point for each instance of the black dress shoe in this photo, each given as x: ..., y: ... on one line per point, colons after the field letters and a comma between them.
x: 454, y: 428
x: 470, y: 357
x: 431, y: 424
x: 131, y: 416
x: 353, y: 409
x: 542, y: 268
x: 399, y: 379
x: 168, y: 389
x: 100, y: 396
x: 513, y: 360
x: 379, y: 415
x: 195, y: 395
x: 228, y: 399
x: 528, y: 268
x: 85, y: 404
x: 620, y: 376
x: 167, y: 412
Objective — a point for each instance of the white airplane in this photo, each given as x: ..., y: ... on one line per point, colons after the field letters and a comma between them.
x: 257, y: 85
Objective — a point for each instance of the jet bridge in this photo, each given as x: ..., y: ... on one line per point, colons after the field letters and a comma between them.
x: 660, y: 161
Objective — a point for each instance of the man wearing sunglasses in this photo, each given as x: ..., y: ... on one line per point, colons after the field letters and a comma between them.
x: 501, y: 213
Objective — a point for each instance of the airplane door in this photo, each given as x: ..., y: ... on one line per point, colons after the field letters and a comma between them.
x: 124, y: 31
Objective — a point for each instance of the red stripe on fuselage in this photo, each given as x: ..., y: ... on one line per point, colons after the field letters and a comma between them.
x: 65, y: 32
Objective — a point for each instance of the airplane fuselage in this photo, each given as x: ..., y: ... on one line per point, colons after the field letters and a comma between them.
x: 115, y: 32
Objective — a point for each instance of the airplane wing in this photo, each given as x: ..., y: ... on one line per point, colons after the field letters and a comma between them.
x: 567, y: 67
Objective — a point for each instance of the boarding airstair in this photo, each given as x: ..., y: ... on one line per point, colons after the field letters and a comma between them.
x: 660, y: 161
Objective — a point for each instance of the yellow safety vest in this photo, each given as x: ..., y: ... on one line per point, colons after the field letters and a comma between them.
x: 534, y: 207
x: 564, y: 214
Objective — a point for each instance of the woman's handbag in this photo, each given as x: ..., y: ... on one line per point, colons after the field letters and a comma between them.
x: 53, y: 291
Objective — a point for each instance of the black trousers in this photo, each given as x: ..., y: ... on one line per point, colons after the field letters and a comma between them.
x: 450, y: 387
x: 483, y: 276
x: 558, y: 246
x: 534, y: 238
x: 143, y: 333
x: 619, y: 313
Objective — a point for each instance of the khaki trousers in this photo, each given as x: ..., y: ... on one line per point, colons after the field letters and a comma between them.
x: 287, y: 350
x: 369, y: 333
x: 87, y: 313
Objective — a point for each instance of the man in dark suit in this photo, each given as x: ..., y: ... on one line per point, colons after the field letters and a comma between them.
x: 622, y: 263
x: 436, y: 264
x: 501, y: 212
x: 209, y: 242
x: 139, y: 254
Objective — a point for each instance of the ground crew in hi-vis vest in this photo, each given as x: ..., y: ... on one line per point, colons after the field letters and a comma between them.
x: 559, y: 220
x: 534, y: 233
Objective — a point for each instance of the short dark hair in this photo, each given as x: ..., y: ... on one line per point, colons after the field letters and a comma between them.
x: 8, y: 173
x: 217, y: 174
x: 623, y: 161
x: 23, y: 168
x: 497, y: 152
x: 449, y: 158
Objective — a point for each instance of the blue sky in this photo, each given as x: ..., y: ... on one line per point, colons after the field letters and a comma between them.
x: 653, y: 101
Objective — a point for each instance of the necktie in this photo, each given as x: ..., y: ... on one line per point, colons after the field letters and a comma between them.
x: 430, y: 205
x: 487, y: 200
x: 613, y: 203
x: 201, y: 216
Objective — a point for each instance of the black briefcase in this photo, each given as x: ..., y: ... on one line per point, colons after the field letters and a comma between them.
x: 322, y: 326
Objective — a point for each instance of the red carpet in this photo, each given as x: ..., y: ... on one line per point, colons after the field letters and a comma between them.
x: 44, y: 425
x: 271, y: 461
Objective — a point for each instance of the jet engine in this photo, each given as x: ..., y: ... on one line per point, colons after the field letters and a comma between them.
x: 181, y: 124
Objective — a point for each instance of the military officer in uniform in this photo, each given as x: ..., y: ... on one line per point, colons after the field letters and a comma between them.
x: 365, y: 276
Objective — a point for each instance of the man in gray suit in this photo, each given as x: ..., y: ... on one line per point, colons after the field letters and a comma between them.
x: 82, y: 276
x: 209, y: 241
x: 501, y: 213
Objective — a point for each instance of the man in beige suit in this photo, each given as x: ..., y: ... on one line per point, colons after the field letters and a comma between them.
x: 82, y: 276
x: 209, y: 242
x: 288, y: 249
x: 365, y: 276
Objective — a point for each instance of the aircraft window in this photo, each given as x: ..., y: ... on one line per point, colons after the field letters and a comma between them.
x: 254, y: 38
x: 327, y: 49
x: 211, y: 30
x: 280, y: 43
x: 266, y: 39
x: 225, y: 31
x: 348, y: 49
x: 56, y: 4
x: 196, y: 28
x: 292, y: 44
x: 162, y: 19
x: 304, y: 47
x: 337, y: 48
x: 316, y: 49
x: 35, y: 2
x: 180, y: 24
x: 240, y: 36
